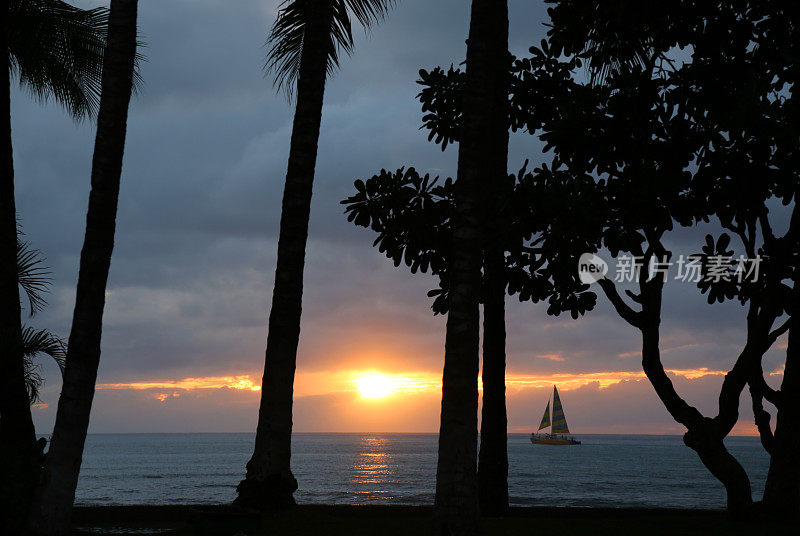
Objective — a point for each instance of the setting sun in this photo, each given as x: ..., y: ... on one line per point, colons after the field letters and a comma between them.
x: 374, y: 385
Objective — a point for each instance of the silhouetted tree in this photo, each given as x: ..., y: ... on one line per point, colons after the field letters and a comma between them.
x: 305, y: 44
x: 765, y: 151
x: 52, y: 506
x: 751, y: 164
x: 730, y: 94
x: 482, y: 155
x: 629, y: 138
x: 412, y: 217
x: 444, y: 109
x: 56, y: 51
x: 679, y: 139
x: 664, y: 140
x: 446, y: 113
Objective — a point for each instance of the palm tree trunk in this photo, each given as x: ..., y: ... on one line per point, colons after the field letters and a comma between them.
x: 782, y: 489
x: 52, y: 506
x: 493, y: 454
x: 19, y: 458
x: 269, y: 483
x: 456, y: 510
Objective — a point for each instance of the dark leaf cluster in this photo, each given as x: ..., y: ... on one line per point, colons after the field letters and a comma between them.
x: 654, y: 116
x: 411, y: 215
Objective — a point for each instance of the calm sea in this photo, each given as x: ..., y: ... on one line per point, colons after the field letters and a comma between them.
x: 606, y: 470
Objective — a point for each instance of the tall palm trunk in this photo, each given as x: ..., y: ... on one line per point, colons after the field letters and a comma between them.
x: 493, y: 454
x: 782, y: 489
x: 19, y: 458
x: 269, y: 483
x: 52, y: 506
x: 485, y: 96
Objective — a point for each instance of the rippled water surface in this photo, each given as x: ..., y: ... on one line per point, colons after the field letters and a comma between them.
x: 606, y: 470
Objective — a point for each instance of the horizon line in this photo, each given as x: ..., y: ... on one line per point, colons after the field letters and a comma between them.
x: 380, y: 433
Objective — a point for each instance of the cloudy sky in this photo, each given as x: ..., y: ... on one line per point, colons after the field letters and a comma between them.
x: 191, y: 277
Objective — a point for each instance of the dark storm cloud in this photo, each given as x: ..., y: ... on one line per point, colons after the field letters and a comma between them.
x: 205, y: 160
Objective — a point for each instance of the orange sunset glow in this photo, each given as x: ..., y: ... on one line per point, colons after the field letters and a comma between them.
x: 212, y: 382
x: 375, y: 384
x: 388, y: 398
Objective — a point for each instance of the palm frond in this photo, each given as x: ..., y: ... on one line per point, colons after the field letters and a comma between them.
x: 369, y: 12
x: 32, y: 275
x: 33, y: 380
x: 600, y: 71
x: 138, y: 59
x: 286, y: 44
x: 286, y: 38
x: 35, y: 342
x: 57, y: 51
x: 613, y: 42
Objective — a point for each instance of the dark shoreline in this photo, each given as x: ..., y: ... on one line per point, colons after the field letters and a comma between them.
x: 146, y: 512
x: 390, y: 520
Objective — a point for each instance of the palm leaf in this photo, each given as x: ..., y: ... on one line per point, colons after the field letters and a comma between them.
x: 35, y: 342
x: 613, y: 44
x: 369, y: 12
x: 57, y: 51
x: 32, y: 275
x: 285, y: 40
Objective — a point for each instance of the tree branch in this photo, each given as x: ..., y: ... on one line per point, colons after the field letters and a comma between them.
x: 746, y: 233
x: 773, y: 396
x: 624, y: 310
x: 773, y: 336
x: 761, y: 416
x: 766, y: 228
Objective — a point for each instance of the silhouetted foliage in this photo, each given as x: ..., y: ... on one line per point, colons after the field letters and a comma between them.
x: 684, y: 113
x: 441, y: 104
x: 34, y: 279
x: 650, y: 119
x: 412, y: 216
x: 36, y: 342
x: 57, y: 50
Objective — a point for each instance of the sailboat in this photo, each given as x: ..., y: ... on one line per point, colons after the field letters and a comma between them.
x: 559, y: 431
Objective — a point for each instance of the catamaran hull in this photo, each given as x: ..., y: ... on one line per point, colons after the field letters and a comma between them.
x: 554, y: 441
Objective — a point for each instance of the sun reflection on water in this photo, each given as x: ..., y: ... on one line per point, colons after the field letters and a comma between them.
x: 374, y: 470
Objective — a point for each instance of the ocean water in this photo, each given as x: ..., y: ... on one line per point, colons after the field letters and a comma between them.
x: 606, y: 470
